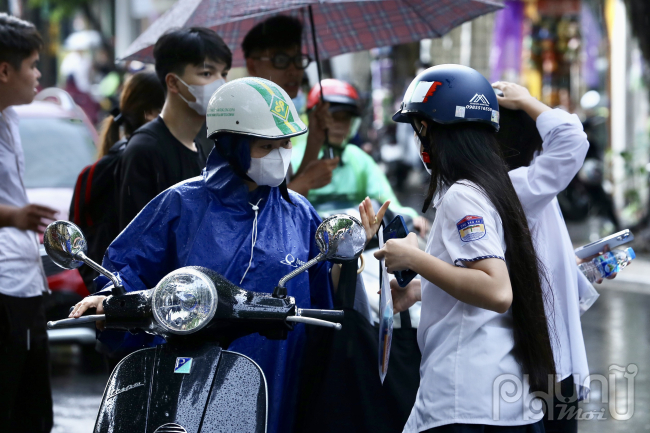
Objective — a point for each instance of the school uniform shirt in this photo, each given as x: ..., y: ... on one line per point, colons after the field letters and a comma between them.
x: 21, y: 274
x: 466, y: 350
x: 564, y: 149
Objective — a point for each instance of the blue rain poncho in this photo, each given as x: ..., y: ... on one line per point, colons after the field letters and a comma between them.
x: 208, y: 221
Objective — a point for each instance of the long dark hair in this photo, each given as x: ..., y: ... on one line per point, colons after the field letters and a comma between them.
x: 518, y: 138
x: 470, y: 152
x: 142, y: 93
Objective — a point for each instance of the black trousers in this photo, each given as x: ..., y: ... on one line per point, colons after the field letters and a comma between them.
x: 25, y: 392
x: 564, y: 412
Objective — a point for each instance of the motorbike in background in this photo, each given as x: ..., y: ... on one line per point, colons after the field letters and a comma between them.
x: 193, y: 383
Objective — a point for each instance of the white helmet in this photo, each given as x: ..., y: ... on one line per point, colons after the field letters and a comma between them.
x: 253, y: 106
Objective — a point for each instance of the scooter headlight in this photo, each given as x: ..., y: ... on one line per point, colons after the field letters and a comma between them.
x: 184, y: 301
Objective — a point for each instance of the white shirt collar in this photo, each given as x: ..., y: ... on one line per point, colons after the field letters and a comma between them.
x: 440, y: 194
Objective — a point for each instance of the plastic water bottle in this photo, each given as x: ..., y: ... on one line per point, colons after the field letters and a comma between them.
x: 607, y: 264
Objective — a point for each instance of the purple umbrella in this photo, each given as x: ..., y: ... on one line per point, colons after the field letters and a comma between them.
x: 338, y: 26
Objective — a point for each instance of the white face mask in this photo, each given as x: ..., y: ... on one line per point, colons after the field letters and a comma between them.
x: 202, y: 94
x: 271, y: 169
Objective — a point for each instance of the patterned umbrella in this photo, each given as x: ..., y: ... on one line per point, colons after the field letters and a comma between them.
x: 339, y: 26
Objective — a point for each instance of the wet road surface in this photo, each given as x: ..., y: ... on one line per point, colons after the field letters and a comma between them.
x: 617, y: 336
x: 77, y: 388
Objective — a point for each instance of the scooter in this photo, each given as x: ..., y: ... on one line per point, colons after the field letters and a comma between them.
x: 192, y: 383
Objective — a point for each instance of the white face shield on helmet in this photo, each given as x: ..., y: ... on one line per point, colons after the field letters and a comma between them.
x: 255, y: 107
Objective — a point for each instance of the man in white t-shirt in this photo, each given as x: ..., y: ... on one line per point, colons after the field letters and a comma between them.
x: 25, y: 395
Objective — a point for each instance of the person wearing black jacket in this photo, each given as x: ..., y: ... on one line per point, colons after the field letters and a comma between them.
x: 93, y: 206
x: 191, y: 64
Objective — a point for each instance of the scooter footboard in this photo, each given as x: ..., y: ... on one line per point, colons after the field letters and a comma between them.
x: 184, y: 389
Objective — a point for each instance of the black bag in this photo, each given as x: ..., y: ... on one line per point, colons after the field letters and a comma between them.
x: 340, y: 390
x: 94, y: 207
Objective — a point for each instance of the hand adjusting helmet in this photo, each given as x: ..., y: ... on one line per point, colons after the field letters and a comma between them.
x: 448, y: 94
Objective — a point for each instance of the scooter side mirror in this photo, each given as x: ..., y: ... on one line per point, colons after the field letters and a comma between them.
x: 64, y: 242
x: 66, y: 245
x: 340, y: 238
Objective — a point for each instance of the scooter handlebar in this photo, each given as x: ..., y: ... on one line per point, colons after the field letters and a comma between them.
x: 74, y: 322
x: 325, y: 318
x: 330, y: 315
x: 317, y: 322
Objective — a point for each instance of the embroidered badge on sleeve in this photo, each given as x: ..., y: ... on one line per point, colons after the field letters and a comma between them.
x: 471, y: 228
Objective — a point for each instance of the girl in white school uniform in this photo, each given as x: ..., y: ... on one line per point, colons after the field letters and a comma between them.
x: 483, y: 331
x: 544, y: 150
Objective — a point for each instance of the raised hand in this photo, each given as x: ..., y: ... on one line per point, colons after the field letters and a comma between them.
x: 513, y: 95
x: 370, y: 221
x: 516, y: 97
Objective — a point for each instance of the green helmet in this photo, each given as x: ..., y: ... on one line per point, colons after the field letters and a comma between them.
x: 253, y: 106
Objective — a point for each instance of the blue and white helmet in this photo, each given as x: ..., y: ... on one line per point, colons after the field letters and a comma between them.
x: 449, y: 94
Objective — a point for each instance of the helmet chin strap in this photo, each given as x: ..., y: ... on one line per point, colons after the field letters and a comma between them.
x: 425, y: 143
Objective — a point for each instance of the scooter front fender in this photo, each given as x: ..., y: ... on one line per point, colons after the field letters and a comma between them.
x: 201, y: 389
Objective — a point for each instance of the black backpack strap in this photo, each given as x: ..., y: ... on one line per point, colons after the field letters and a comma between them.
x: 346, y: 292
x: 405, y: 319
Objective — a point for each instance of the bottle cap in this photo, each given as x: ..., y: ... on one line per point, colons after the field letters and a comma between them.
x: 631, y: 253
